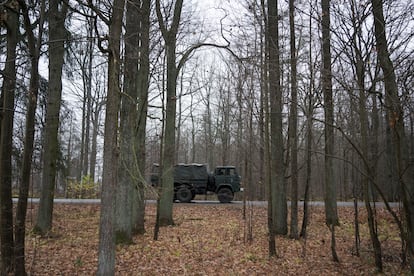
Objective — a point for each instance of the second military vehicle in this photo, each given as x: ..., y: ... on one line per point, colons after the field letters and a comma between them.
x: 193, y: 179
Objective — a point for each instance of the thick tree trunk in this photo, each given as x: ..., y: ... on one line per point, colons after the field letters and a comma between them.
x: 167, y: 192
x: 267, y: 153
x: 57, y: 36
x: 106, y: 251
x: 138, y: 209
x: 128, y: 170
x: 278, y: 187
x: 330, y: 180
x: 168, y: 154
x: 6, y: 134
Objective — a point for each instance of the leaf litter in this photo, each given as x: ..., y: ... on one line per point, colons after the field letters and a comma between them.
x: 211, y: 240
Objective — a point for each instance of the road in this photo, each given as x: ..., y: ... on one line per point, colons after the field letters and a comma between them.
x: 209, y: 202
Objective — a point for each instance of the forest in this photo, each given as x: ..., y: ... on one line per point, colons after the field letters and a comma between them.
x: 311, y: 100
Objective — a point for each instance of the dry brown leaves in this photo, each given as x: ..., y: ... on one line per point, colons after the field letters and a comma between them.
x: 210, y: 240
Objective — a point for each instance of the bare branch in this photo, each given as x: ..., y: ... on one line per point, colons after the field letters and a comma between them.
x: 193, y: 48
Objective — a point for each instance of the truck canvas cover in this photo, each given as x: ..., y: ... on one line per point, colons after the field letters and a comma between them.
x: 190, y: 172
x: 184, y: 174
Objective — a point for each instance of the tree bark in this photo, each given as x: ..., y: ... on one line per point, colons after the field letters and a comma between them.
x: 278, y: 186
x: 57, y: 36
x: 309, y: 136
x: 128, y: 167
x: 309, y: 139
x: 106, y: 250
x: 88, y: 103
x: 6, y: 141
x: 293, y: 126
x: 395, y: 116
x: 330, y: 181
x: 138, y: 210
x: 267, y: 153
x: 168, y: 155
x: 21, y: 209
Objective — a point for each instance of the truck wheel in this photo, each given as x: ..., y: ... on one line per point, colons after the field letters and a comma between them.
x: 184, y: 194
x: 225, y: 195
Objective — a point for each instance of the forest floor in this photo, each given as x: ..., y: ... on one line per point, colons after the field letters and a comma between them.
x: 211, y: 240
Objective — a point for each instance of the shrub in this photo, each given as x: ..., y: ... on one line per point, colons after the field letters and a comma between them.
x: 86, y: 188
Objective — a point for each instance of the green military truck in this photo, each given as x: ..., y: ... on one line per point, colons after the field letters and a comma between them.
x: 193, y: 179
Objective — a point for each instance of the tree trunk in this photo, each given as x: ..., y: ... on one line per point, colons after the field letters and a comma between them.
x: 127, y: 167
x: 169, y: 142
x: 57, y: 36
x: 263, y: 84
x: 168, y: 155
x: 267, y: 153
x: 278, y: 186
x: 95, y: 125
x: 138, y: 210
x: 6, y: 140
x: 106, y: 251
x: 309, y: 137
x: 193, y: 130
x: 21, y: 209
x: 88, y: 103
x: 363, y: 118
x: 179, y: 119
x: 396, y: 124
x: 293, y: 126
x: 330, y: 180
x: 365, y: 181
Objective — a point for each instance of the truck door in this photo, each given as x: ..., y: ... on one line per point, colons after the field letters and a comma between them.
x: 220, y: 176
x: 225, y: 176
x: 234, y: 179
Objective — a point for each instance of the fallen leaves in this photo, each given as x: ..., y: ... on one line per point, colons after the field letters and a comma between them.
x: 209, y: 240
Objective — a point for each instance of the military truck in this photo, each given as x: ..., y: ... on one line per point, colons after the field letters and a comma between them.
x: 193, y: 179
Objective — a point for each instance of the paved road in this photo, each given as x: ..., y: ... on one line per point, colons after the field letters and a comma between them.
x: 208, y: 202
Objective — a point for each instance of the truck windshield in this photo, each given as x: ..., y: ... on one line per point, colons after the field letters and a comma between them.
x: 232, y: 171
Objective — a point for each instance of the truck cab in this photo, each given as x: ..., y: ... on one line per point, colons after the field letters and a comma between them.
x: 226, y: 183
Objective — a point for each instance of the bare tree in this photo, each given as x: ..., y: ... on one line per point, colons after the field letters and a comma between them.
x: 357, y: 60
x: 34, y: 45
x: 363, y: 116
x: 130, y: 207
x: 308, y: 110
x: 395, y: 115
x: 106, y: 250
x: 138, y: 209
x: 57, y: 36
x: 277, y: 192
x: 167, y: 178
x: 97, y: 106
x: 279, y: 203
x: 87, y: 74
x: 293, y: 126
x: 6, y: 134
x: 127, y: 176
x: 330, y: 182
